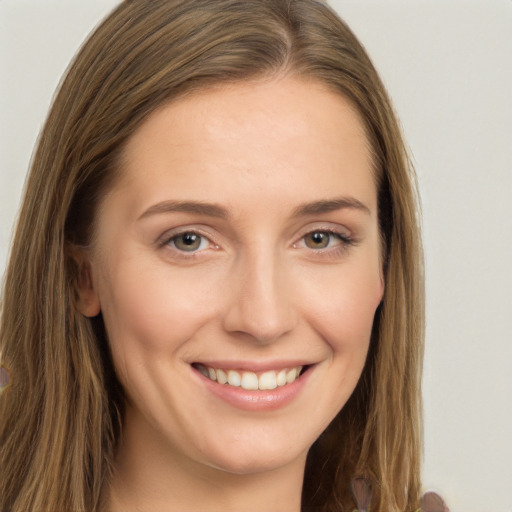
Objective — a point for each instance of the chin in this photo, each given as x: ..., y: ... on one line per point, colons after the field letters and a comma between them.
x: 246, y: 457
x: 250, y: 464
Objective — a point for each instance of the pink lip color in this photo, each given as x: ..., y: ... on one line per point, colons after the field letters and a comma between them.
x: 265, y: 400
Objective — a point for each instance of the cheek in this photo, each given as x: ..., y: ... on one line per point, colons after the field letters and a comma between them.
x: 342, y: 306
x: 151, y: 308
x: 150, y: 315
x: 148, y: 311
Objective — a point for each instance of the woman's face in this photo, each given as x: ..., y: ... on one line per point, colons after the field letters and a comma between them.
x: 240, y: 242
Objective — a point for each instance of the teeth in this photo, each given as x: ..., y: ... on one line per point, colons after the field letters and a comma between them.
x: 281, y: 378
x: 292, y: 374
x: 204, y: 371
x: 234, y: 378
x: 221, y: 377
x: 267, y: 380
x: 250, y: 380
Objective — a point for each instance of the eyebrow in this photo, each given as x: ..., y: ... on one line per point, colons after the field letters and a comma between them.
x: 330, y: 205
x: 208, y: 209
x: 214, y: 210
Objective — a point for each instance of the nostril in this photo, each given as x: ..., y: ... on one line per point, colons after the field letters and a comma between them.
x: 260, y: 304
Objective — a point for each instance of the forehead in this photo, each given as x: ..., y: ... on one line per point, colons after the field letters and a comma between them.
x: 256, y: 137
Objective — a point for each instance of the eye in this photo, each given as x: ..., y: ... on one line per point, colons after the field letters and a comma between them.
x: 323, y: 239
x: 189, y: 241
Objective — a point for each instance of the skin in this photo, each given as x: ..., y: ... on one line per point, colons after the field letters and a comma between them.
x: 257, y: 289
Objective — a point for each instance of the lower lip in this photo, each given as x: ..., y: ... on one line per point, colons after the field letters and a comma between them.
x: 264, y: 400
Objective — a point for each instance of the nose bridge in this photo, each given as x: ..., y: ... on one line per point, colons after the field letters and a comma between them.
x: 260, y: 302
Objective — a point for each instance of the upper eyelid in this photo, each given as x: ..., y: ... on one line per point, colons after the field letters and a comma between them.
x: 335, y: 229
x: 345, y: 240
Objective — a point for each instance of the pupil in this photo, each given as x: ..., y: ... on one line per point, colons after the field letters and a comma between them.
x: 189, y: 239
x: 188, y: 242
x: 318, y: 238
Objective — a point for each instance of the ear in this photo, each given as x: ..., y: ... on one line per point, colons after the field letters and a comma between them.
x: 86, y: 295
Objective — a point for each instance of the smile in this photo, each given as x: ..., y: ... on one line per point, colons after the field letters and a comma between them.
x: 249, y: 380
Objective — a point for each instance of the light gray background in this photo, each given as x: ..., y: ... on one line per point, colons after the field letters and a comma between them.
x: 447, y: 65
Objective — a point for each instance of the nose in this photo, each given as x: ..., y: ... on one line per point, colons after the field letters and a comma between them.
x: 260, y: 304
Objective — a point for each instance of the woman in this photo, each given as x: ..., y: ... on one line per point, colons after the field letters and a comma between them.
x: 215, y: 294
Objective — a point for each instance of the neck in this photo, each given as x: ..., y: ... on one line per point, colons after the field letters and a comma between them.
x: 151, y: 476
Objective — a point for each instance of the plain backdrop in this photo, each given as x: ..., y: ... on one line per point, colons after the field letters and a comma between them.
x: 447, y: 66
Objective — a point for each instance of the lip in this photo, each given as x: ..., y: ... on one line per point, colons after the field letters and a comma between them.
x: 258, y: 400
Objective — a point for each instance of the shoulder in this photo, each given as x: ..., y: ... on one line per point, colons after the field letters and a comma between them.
x: 432, y: 502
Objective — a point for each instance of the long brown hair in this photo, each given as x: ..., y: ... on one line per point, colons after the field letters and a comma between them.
x: 60, y: 418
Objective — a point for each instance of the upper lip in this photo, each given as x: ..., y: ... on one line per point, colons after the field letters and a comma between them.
x: 254, y: 366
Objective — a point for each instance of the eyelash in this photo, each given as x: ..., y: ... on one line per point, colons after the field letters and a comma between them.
x: 169, y: 242
x: 329, y: 253
x: 345, y: 242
